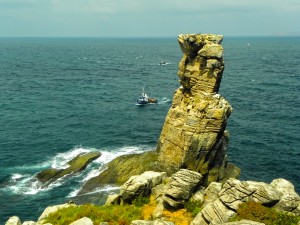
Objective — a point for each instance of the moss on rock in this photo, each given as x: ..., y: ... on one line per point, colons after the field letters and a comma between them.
x: 122, y: 168
x: 77, y: 164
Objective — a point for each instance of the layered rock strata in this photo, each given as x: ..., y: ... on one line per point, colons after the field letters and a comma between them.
x: 180, y: 187
x: 194, y: 135
x: 235, y: 192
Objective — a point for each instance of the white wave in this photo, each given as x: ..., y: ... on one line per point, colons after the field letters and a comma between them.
x: 164, y: 100
x: 107, y: 156
x: 27, y: 183
x: 60, y: 161
x: 16, y: 176
x: 106, y: 188
x: 24, y: 184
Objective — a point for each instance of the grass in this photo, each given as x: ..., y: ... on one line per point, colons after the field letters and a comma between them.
x: 259, y: 213
x: 114, y: 214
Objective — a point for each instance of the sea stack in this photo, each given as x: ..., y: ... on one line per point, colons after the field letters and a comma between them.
x: 194, y: 134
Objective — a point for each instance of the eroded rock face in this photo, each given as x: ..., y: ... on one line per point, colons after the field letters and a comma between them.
x: 137, y: 186
x: 180, y: 188
x: 14, y: 220
x: 235, y: 192
x: 193, y: 135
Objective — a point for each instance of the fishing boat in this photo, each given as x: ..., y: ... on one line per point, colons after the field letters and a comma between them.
x: 144, y: 99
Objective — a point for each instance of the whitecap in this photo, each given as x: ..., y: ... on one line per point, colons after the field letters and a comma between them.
x: 164, y: 100
x: 106, y: 188
x: 60, y: 161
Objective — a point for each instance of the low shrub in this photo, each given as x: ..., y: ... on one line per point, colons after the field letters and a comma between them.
x: 257, y: 212
x: 194, y: 207
x: 114, y: 214
x: 141, y: 201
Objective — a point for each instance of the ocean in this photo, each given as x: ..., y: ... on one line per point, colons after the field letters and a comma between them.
x: 63, y: 96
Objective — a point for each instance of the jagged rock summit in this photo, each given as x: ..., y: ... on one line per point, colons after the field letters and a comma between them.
x: 194, y: 135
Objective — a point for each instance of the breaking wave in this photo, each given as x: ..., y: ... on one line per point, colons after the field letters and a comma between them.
x: 24, y: 183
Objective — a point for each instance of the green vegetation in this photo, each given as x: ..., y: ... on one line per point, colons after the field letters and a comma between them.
x: 114, y: 214
x: 141, y: 201
x: 194, y: 207
x: 257, y: 212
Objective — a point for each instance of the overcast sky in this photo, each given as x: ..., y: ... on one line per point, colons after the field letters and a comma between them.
x: 148, y: 18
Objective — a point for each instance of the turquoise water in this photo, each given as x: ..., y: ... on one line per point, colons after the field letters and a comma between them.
x: 63, y: 96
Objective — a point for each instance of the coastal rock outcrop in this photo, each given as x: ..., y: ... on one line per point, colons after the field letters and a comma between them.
x: 122, y: 168
x: 149, y: 222
x: 14, y: 220
x: 52, y: 209
x: 235, y: 192
x: 83, y: 221
x: 137, y: 186
x: 77, y: 164
x: 194, y: 134
x: 180, y: 188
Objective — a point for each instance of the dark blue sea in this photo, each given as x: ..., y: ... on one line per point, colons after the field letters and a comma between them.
x: 63, y: 96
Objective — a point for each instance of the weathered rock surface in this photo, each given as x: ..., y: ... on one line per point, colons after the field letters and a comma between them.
x: 193, y: 135
x: 290, y: 200
x: 235, y: 192
x: 242, y: 222
x: 214, y: 212
x: 83, y: 221
x: 29, y: 223
x: 180, y: 188
x: 140, y: 185
x: 52, y: 209
x: 77, y: 164
x: 149, y: 222
x: 14, y: 220
x: 211, y: 193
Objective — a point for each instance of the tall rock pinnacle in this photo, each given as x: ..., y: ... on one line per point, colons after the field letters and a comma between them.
x: 194, y: 135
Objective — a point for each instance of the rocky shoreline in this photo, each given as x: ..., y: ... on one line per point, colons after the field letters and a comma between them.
x: 190, y: 163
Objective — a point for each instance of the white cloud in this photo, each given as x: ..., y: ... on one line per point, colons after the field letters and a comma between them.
x: 155, y: 16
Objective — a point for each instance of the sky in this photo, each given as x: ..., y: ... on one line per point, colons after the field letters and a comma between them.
x: 148, y: 18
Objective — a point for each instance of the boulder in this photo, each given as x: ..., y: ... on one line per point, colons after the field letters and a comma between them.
x: 194, y: 134
x: 77, y: 164
x: 180, y: 188
x: 142, y: 222
x: 52, y: 209
x: 222, y: 201
x: 14, y: 220
x: 213, y: 213
x: 140, y: 185
x: 29, y: 223
x: 83, y: 221
x: 149, y: 222
x: 290, y: 200
x: 211, y: 193
x: 113, y: 199
x: 234, y: 192
x: 242, y: 222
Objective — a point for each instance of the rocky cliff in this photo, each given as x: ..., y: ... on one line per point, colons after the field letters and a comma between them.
x: 194, y: 135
